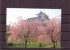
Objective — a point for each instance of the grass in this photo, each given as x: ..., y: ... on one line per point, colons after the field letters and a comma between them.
x: 33, y: 45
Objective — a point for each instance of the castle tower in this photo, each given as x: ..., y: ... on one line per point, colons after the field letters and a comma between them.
x: 42, y: 17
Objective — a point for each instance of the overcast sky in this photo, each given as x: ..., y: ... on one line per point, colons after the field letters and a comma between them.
x: 12, y: 14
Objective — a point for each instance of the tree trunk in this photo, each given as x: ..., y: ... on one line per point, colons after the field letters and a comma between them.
x: 25, y: 43
x: 54, y: 44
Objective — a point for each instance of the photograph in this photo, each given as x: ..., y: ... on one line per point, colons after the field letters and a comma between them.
x: 33, y: 28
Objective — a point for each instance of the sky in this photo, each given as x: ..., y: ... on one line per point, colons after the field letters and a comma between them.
x: 12, y: 14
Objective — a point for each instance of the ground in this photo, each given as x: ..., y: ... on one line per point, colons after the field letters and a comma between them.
x: 33, y: 45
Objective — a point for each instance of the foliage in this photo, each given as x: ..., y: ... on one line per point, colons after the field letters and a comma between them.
x: 10, y: 44
x: 35, y: 31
